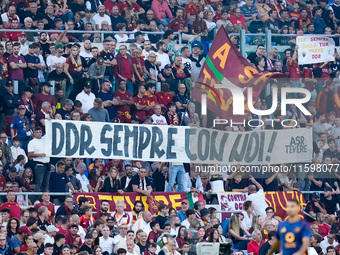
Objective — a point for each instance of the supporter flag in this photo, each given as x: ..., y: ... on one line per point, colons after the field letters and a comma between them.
x: 224, y: 70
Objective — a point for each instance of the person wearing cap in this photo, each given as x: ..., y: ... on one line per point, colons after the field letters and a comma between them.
x: 97, y: 70
x: 197, y: 60
x: 18, y: 239
x: 39, y: 238
x: 88, y: 245
x: 225, y: 22
x: 21, y: 127
x: 330, y: 203
x: 86, y: 97
x: 184, y: 207
x: 65, y: 111
x: 44, y: 96
x: 14, y: 177
x: 52, y: 61
x: 51, y: 231
x: 315, y: 206
x: 33, y: 66
x: 72, y: 236
x: 169, y: 244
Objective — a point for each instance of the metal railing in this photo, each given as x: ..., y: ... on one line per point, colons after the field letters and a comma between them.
x: 102, y: 33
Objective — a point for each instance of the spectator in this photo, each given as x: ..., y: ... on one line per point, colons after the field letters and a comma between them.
x: 99, y: 113
x: 100, y: 17
x: 315, y: 206
x: 329, y: 241
x: 161, y: 11
x: 254, y: 246
x: 124, y: 70
x: 125, y: 101
x: 162, y: 57
x: 325, y: 99
x: 109, y: 101
x: 112, y: 182
x: 86, y: 97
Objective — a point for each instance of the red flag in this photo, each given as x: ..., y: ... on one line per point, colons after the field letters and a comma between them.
x: 225, y: 66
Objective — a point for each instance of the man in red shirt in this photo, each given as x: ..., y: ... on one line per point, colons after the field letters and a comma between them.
x: 320, y: 222
x: 191, y: 9
x: 12, y: 205
x: 164, y: 96
x: 72, y: 237
x: 124, y: 70
x: 63, y: 228
x: 254, y: 246
x: 294, y: 70
x: 238, y: 20
x: 141, y: 104
x: 13, y: 36
x: 150, y: 97
x: 46, y: 202
x: 178, y: 24
x: 44, y: 96
x: 125, y: 100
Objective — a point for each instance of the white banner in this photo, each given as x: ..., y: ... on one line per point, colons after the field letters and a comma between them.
x: 231, y: 201
x: 80, y: 139
x: 315, y: 49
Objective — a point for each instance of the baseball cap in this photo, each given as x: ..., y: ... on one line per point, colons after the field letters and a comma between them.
x: 88, y: 235
x: 224, y: 11
x: 24, y: 230
x: 58, y: 46
x: 185, y: 201
x: 9, y: 83
x: 23, y: 34
x: 74, y: 226
x: 31, y: 221
x: 88, y: 84
x: 12, y: 169
x: 51, y: 228
x: 284, y: 27
x: 38, y: 236
x: 204, y: 212
x: 316, y: 195
x: 28, y: 89
x: 167, y: 66
x: 21, y: 107
x: 110, y: 218
x: 135, y: 118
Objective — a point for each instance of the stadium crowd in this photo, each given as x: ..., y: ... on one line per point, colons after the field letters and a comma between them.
x: 138, y: 78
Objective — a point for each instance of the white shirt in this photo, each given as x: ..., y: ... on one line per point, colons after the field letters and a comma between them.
x: 247, y: 221
x: 84, y: 181
x: 123, y: 245
x: 324, y: 244
x: 158, y: 119
x: 119, y: 238
x: 210, y: 25
x: 163, y: 58
x: 38, y: 146
x: 259, y: 202
x: 23, y: 49
x: 146, y: 53
x: 107, y: 245
x: 18, y: 151
x: 141, y: 224
x: 186, y: 223
x: 134, y: 253
x: 82, y: 233
x: 40, y: 72
x: 98, y: 19
x: 4, y: 17
x: 187, y: 62
x: 86, y: 100
x: 52, y: 60
x: 121, y: 39
x: 86, y: 55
